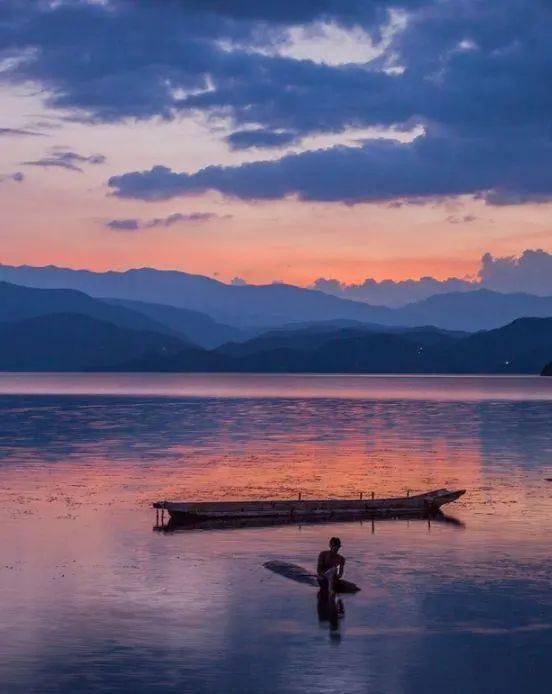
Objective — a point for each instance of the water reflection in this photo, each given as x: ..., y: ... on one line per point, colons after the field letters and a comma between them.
x: 129, y: 450
x: 311, y: 386
x: 330, y: 609
x: 168, y: 525
x: 92, y: 600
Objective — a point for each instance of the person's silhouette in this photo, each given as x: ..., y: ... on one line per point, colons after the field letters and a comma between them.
x: 329, y: 568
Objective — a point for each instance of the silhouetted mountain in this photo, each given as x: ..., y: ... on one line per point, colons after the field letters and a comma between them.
x: 477, y: 310
x: 278, y: 304
x: 73, y: 342
x: 520, y: 347
x: 315, y: 335
x: 198, y: 327
x: 344, y: 323
x: 360, y: 353
x: 547, y: 371
x: 248, y: 305
x: 19, y: 303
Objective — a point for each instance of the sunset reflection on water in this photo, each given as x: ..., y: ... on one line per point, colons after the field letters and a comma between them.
x: 91, y: 596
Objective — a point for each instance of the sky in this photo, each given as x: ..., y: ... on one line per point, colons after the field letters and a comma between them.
x: 276, y: 141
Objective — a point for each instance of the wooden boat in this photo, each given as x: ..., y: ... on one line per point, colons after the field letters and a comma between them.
x: 419, y: 505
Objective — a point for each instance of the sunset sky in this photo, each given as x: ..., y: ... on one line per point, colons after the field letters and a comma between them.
x: 275, y: 140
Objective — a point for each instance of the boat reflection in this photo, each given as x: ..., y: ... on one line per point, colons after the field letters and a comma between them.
x: 171, y: 526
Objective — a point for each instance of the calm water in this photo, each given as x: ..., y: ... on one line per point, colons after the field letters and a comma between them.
x: 92, y: 599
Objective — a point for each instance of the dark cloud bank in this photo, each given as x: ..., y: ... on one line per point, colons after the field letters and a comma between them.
x: 380, y: 170
x: 476, y: 75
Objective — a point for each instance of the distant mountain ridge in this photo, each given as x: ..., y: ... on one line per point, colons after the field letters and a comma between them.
x: 19, y: 303
x: 197, y: 327
x: 65, y: 330
x: 315, y: 336
x: 522, y: 346
x: 248, y: 307
x: 481, y: 309
x: 74, y: 342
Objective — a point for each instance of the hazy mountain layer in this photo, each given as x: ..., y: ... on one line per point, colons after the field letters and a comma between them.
x: 248, y: 305
x: 73, y: 342
x: 273, y: 305
x: 523, y: 346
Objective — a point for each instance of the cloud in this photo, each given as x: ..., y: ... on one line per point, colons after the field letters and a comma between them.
x: 461, y: 219
x: 123, y: 224
x: 282, y: 11
x: 193, y: 218
x: 379, y: 170
x: 18, y: 132
x: 391, y: 293
x: 474, y: 75
x: 66, y: 160
x: 531, y: 272
x: 135, y: 60
x: 244, y: 139
x: 17, y: 176
x: 134, y: 224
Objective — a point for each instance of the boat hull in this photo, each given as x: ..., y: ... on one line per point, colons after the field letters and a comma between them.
x: 309, y: 510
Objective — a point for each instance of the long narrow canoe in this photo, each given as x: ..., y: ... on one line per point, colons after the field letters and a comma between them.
x: 307, y: 509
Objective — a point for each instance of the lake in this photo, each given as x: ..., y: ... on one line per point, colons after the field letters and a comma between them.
x: 94, y: 598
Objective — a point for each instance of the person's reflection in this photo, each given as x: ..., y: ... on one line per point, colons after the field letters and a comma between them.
x: 330, y: 609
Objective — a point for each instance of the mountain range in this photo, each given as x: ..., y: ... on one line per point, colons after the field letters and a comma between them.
x: 522, y: 346
x: 74, y: 342
x: 20, y: 303
x: 222, y: 312
x: 249, y: 305
x: 67, y: 330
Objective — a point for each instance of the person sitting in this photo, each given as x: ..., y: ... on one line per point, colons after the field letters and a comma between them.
x: 330, y: 567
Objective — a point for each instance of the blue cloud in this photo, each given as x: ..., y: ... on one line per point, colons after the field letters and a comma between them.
x: 123, y: 224
x: 379, y: 170
x: 475, y: 75
x: 177, y: 217
x: 134, y: 224
x: 135, y: 60
x: 391, y: 293
x: 297, y: 12
x: 244, y: 139
x: 63, y: 159
x: 531, y: 272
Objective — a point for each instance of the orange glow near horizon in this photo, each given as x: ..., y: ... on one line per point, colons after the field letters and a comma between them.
x: 59, y: 217
x: 286, y: 241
